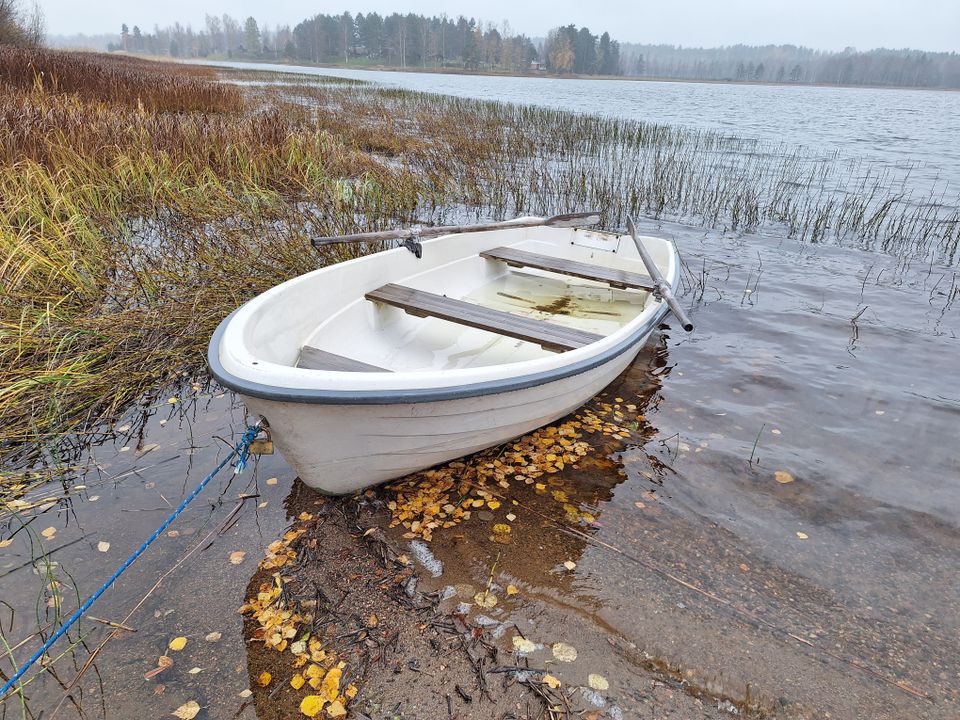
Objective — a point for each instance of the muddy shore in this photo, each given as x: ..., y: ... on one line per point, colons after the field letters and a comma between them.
x: 416, y: 650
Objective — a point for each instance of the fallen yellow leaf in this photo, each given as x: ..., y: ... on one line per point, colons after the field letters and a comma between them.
x: 351, y: 691
x: 485, y: 599
x: 783, y: 477
x: 237, y: 556
x: 564, y: 652
x: 178, y: 643
x: 493, y: 504
x: 213, y: 637
x: 512, y: 590
x: 597, y: 682
x: 264, y: 678
x: 49, y: 532
x: 187, y: 711
x: 551, y: 681
x: 336, y: 709
x: 103, y: 546
x: 569, y: 564
x: 311, y: 705
x: 331, y: 684
x: 173, y: 400
x: 272, y: 481
x: 522, y: 645
x: 6, y: 543
x: 802, y: 535
x: 297, y: 681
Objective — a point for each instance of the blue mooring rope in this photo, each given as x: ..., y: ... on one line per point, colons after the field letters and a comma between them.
x: 242, y: 449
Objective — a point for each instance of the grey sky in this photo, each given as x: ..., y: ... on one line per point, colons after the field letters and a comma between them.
x: 824, y: 24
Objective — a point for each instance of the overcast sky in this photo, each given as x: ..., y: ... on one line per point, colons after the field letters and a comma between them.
x: 823, y: 24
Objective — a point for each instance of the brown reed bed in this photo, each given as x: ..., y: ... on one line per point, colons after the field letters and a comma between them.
x: 122, y: 80
x: 130, y: 227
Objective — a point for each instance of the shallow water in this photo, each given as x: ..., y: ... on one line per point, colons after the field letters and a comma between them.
x: 118, y: 495
x: 707, y: 572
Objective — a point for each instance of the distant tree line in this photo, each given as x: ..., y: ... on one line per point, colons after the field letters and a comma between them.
x: 792, y: 64
x: 19, y: 26
x: 400, y: 40
x: 410, y: 40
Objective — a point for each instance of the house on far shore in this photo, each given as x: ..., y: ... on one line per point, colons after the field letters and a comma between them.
x: 536, y: 66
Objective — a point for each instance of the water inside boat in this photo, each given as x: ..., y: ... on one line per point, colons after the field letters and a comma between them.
x: 388, y: 338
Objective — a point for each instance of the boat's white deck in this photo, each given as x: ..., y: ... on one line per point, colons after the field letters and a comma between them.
x: 389, y: 338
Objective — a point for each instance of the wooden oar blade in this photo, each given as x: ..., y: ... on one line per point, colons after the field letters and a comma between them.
x: 573, y: 220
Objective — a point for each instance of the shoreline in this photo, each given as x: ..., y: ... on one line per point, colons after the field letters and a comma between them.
x: 548, y: 76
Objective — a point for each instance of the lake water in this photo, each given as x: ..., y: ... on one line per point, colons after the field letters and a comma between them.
x: 911, y: 133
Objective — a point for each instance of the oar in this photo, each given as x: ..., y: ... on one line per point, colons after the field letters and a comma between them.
x: 568, y: 220
x: 663, y: 289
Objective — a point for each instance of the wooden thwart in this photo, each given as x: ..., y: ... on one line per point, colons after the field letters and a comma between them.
x: 313, y: 358
x: 425, y: 304
x: 612, y: 276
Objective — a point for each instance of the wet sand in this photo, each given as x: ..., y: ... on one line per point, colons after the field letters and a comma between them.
x: 700, y: 580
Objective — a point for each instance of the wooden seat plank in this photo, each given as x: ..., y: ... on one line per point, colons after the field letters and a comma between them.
x: 313, y: 358
x: 425, y: 304
x: 574, y: 268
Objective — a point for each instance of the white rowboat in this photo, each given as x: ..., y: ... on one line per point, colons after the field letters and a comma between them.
x: 371, y: 369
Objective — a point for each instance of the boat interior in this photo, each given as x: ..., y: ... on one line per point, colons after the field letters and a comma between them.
x: 505, y: 304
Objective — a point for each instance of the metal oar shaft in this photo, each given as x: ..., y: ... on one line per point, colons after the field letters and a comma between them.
x: 570, y: 220
x: 663, y: 288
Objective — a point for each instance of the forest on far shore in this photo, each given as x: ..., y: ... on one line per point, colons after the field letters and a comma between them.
x: 441, y: 42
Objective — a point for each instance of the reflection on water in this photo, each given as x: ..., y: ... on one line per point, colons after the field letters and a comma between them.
x: 831, y: 589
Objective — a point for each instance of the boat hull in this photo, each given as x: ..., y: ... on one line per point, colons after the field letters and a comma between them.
x: 438, y: 389
x: 338, y: 449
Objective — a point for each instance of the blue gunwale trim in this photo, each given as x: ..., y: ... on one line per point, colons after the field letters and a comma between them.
x: 397, y: 397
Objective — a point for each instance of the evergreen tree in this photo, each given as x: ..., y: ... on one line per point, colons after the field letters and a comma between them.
x: 251, y: 37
